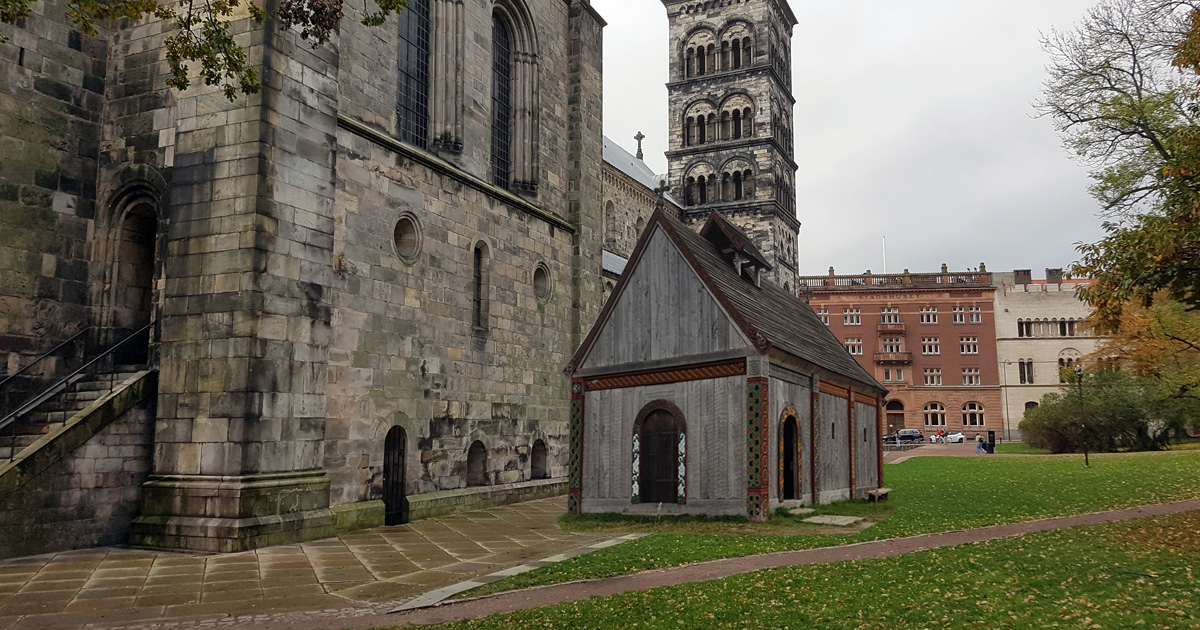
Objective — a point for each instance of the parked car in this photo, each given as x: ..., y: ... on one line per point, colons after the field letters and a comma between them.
x: 904, y: 436
x: 956, y: 438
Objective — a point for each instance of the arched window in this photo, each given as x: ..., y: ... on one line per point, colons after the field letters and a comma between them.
x: 747, y: 123
x: 501, y: 102
x: 395, y: 501
x: 641, y: 225
x: 659, y: 454
x: 972, y: 415
x: 725, y: 55
x: 537, y: 461
x: 477, y: 464
x: 737, y: 123
x: 515, y: 108
x: 479, y: 283
x: 748, y: 184
x: 412, y: 109
x: 935, y: 415
x: 1031, y: 405
x: 725, y: 134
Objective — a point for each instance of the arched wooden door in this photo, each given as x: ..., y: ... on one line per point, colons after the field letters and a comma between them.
x: 659, y: 464
x: 395, y: 502
x: 791, y: 459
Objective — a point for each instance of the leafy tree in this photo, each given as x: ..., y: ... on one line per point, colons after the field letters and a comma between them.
x: 202, y: 35
x: 1124, y: 93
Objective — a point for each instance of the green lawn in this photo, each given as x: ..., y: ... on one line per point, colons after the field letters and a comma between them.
x: 1019, y: 448
x: 1138, y: 574
x: 931, y: 494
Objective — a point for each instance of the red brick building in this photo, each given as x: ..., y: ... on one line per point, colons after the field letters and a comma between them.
x: 930, y: 338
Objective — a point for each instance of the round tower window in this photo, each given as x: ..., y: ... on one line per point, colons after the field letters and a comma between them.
x: 407, y: 237
x: 541, y: 281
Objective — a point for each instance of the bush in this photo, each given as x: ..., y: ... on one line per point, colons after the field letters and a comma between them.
x: 1116, y: 411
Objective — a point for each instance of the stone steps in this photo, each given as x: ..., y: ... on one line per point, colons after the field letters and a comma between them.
x: 54, y: 413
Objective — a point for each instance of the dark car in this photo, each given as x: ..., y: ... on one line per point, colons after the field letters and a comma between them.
x: 904, y: 436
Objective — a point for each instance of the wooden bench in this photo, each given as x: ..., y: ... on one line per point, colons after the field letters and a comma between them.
x: 874, y: 496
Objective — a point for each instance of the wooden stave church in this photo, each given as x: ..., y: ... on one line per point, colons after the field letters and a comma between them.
x: 750, y: 368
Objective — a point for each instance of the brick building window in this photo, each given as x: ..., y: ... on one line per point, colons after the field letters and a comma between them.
x: 935, y: 415
x: 851, y: 317
x: 890, y: 344
x: 889, y: 315
x: 928, y: 314
x: 412, y: 107
x: 931, y: 346
x: 960, y: 314
x: 976, y: 314
x: 968, y: 345
x: 933, y: 376
x: 970, y: 376
x: 972, y: 415
x: 893, y: 375
x: 823, y: 313
x: 854, y: 345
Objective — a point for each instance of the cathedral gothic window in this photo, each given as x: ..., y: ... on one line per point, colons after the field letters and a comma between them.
x: 412, y: 108
x: 514, y: 99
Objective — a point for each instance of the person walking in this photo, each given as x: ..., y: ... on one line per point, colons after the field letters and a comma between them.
x: 979, y: 445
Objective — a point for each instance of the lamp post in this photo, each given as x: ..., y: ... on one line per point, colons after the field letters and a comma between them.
x: 1082, y: 425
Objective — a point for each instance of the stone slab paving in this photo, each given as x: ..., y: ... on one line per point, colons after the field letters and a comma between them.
x: 372, y: 569
x: 833, y: 519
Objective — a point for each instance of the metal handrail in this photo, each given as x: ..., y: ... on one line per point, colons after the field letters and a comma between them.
x: 63, y: 383
x: 44, y: 356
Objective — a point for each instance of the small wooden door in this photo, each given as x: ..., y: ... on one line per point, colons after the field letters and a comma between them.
x: 395, y: 502
x: 659, y: 459
x: 791, y: 460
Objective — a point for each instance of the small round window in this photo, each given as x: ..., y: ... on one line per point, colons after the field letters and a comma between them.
x: 407, y: 237
x: 541, y: 281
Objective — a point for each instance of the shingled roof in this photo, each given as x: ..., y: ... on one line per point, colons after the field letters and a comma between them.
x: 766, y: 314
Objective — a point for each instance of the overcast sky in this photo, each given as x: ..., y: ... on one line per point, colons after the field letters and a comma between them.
x: 913, y: 121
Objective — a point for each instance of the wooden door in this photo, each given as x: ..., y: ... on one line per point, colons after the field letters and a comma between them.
x: 395, y: 502
x: 791, y: 460
x: 659, y: 459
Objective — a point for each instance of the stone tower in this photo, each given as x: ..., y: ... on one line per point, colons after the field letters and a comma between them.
x: 730, y: 94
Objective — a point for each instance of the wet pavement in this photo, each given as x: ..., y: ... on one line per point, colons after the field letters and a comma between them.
x: 375, y: 569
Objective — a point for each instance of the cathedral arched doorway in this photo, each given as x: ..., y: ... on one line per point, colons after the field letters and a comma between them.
x: 790, y: 452
x: 477, y: 464
x: 132, y: 283
x: 537, y: 461
x: 395, y: 499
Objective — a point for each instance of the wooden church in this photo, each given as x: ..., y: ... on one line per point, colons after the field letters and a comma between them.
x: 705, y: 389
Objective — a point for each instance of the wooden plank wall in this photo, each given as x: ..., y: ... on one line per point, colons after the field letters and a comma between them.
x: 789, y: 389
x: 866, y: 450
x: 833, y: 455
x: 715, y: 412
x: 664, y: 312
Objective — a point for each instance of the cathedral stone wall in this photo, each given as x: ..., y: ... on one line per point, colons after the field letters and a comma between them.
x: 627, y: 207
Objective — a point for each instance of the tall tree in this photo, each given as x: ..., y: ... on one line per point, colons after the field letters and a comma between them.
x: 1124, y: 93
x: 202, y: 35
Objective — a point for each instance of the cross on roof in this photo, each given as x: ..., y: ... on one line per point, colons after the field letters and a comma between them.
x: 639, y: 137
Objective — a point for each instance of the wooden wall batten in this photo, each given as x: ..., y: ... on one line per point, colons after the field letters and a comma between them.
x: 865, y: 399
x: 696, y: 372
x: 815, y: 451
x: 879, y: 434
x: 758, y: 474
x: 575, y: 463
x: 852, y: 437
x: 834, y: 390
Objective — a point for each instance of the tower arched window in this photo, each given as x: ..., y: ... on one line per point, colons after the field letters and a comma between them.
x: 725, y: 55
x: 725, y: 126
x: 412, y: 107
x: 737, y: 124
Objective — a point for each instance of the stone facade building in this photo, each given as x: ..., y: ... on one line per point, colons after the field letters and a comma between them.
x: 1041, y: 329
x: 930, y: 338
x: 362, y: 281
x: 730, y: 107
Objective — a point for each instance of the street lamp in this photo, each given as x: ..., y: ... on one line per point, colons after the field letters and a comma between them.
x: 1082, y: 426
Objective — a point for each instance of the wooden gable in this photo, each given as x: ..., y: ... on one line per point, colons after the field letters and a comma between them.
x: 662, y: 310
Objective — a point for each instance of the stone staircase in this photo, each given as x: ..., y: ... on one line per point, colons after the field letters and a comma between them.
x: 55, y: 410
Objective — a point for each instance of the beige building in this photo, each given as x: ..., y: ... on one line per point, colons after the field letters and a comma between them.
x: 1040, y: 331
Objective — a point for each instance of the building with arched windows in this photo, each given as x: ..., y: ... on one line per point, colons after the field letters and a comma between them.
x: 730, y: 115
x: 355, y: 290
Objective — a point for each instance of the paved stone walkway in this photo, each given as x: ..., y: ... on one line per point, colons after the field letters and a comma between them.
x: 369, y: 570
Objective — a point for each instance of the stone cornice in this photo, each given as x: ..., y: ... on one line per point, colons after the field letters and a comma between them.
x: 730, y: 74
x: 445, y: 168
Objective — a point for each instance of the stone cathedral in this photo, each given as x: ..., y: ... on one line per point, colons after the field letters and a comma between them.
x: 730, y: 95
